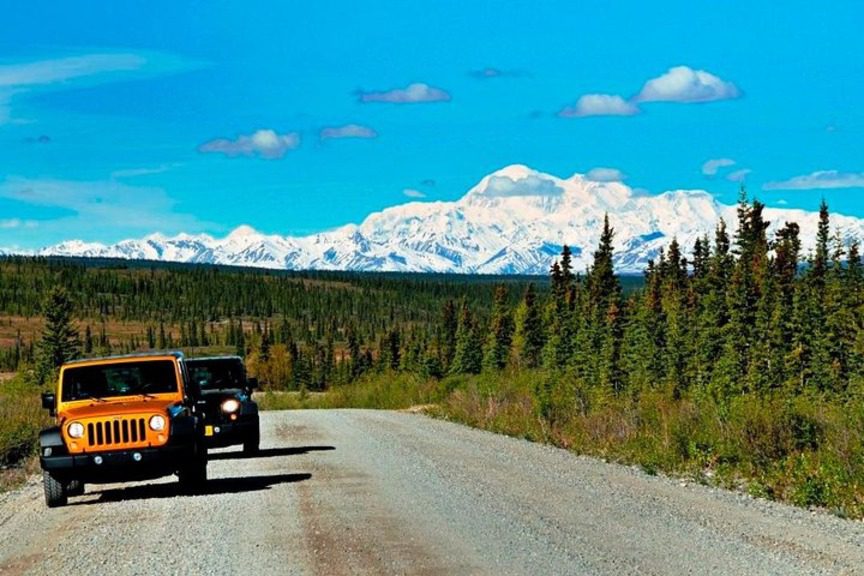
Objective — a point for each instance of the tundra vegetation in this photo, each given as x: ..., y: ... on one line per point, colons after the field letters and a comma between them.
x: 740, y: 364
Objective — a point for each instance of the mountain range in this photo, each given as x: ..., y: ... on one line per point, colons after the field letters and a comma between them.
x: 514, y: 221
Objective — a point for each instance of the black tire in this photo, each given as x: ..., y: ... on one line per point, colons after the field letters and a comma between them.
x: 252, y: 444
x: 75, y: 488
x: 55, y: 491
x: 193, y: 476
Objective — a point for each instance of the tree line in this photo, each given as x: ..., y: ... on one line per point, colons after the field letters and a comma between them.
x: 307, y: 321
x: 738, y: 315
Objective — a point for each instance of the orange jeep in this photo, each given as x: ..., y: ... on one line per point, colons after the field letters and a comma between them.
x: 121, y: 418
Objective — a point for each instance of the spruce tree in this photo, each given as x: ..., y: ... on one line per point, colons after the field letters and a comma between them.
x: 59, y: 342
x: 819, y: 263
x: 603, y: 286
x: 449, y: 323
x: 529, y: 335
x: 88, y: 340
x: 500, y: 337
x: 393, y: 349
x: 559, y: 312
x: 468, y: 357
x: 599, y: 345
x: 354, y: 354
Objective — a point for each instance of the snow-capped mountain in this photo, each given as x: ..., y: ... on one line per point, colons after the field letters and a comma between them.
x: 514, y: 221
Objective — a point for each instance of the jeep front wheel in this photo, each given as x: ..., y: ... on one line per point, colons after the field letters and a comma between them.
x: 75, y: 488
x: 251, y: 444
x: 55, y: 491
x: 193, y: 476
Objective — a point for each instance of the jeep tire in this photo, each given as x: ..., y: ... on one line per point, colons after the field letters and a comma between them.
x: 193, y: 476
x: 55, y: 491
x: 75, y: 488
x: 252, y: 443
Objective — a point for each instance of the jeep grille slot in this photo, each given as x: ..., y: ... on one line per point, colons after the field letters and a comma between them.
x: 116, y: 432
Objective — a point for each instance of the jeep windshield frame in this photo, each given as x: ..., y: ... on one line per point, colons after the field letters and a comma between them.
x: 101, y: 381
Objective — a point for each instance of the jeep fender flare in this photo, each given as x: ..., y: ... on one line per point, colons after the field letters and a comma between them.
x: 184, y: 427
x: 52, y: 438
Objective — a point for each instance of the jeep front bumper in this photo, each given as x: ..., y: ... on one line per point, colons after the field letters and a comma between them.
x: 221, y: 434
x: 117, y: 465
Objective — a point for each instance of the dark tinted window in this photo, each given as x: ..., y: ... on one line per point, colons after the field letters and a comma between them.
x: 215, y: 374
x: 124, y: 379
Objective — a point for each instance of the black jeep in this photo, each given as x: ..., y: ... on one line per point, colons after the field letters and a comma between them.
x: 230, y: 415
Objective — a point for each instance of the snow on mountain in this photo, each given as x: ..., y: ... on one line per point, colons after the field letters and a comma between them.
x: 514, y: 221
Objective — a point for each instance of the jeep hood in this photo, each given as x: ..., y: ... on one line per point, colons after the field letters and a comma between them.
x: 134, y: 405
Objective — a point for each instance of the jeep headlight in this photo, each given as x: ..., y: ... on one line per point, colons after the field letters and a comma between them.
x: 230, y: 406
x: 157, y: 423
x: 75, y: 430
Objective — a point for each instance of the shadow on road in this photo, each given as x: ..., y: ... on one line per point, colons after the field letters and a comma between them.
x: 214, y: 486
x: 268, y: 452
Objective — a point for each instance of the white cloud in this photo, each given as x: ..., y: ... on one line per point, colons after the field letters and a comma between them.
x: 412, y: 193
x: 135, y: 172
x: 63, y: 69
x: 23, y: 77
x: 599, y: 105
x: 683, y: 84
x: 12, y: 223
x: 738, y: 175
x: 106, y: 207
x: 347, y: 131
x: 711, y: 167
x: 531, y: 185
x: 265, y: 143
x: 490, y: 72
x: 821, y: 179
x: 605, y: 175
x: 411, y: 94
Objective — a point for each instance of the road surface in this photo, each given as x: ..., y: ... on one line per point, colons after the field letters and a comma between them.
x: 372, y: 492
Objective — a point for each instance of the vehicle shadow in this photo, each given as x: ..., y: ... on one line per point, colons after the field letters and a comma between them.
x: 268, y: 452
x: 213, y: 486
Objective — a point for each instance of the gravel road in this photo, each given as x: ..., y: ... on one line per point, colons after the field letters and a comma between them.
x: 371, y: 492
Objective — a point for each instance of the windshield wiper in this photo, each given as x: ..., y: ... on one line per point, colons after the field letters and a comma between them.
x: 96, y: 398
x: 141, y: 392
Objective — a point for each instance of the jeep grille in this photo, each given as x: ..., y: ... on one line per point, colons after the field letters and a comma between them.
x: 119, y: 431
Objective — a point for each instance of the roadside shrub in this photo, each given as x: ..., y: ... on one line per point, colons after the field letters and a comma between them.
x: 21, y: 419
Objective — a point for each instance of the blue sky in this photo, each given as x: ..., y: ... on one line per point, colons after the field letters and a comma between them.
x: 124, y: 118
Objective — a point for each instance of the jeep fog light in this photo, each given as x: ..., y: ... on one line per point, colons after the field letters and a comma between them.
x: 230, y: 406
x: 157, y: 423
x: 75, y: 430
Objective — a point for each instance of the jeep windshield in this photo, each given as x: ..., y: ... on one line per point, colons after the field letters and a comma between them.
x: 96, y: 382
x: 217, y: 374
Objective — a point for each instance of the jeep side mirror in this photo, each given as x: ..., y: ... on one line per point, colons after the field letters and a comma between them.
x: 49, y: 402
x: 252, y: 383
